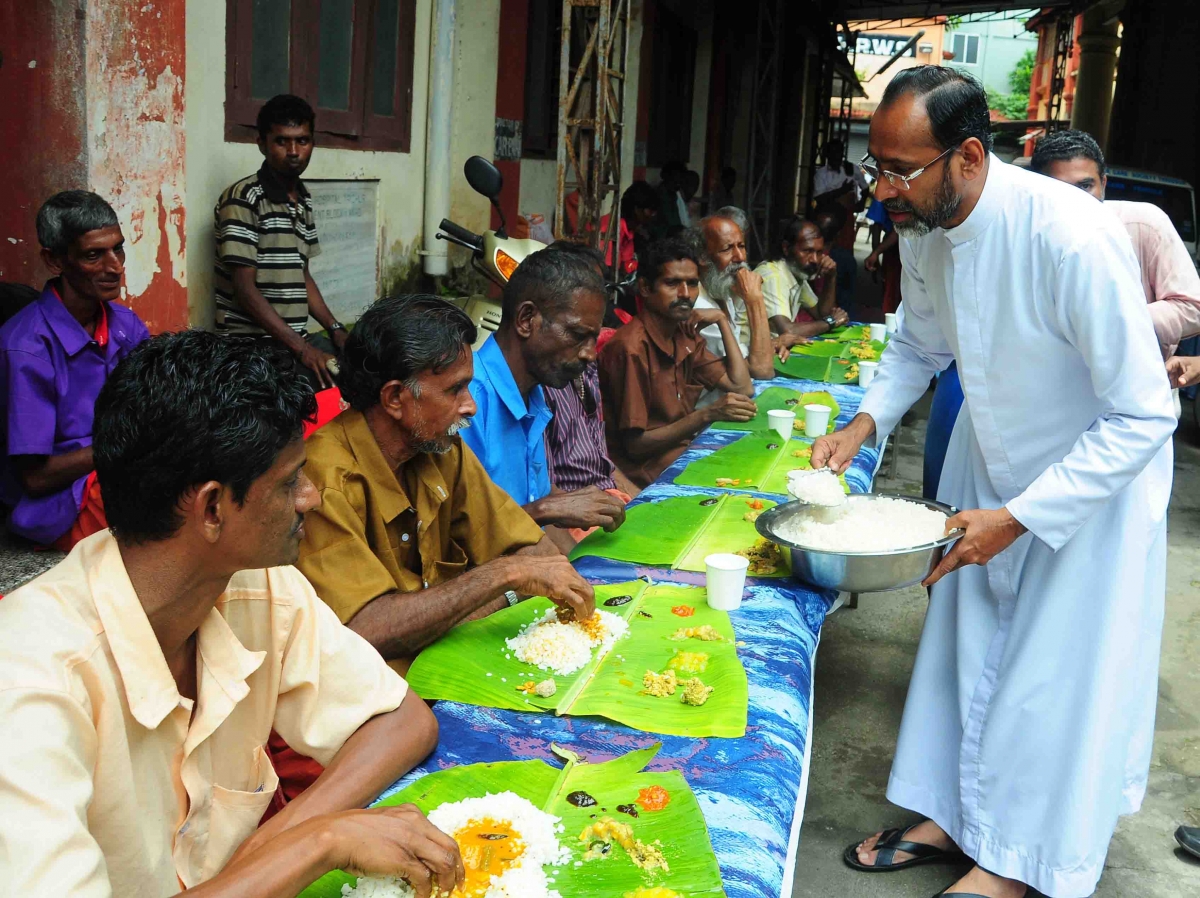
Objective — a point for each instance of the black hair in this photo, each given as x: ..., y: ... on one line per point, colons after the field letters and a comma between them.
x: 589, y: 254
x: 397, y: 338
x: 672, y: 167
x: 285, y: 109
x: 639, y: 195
x: 729, y: 170
x: 549, y: 279
x: 185, y: 408
x: 793, y: 226
x: 1062, y: 146
x: 67, y: 216
x: 834, y: 216
x: 662, y: 253
x: 955, y: 102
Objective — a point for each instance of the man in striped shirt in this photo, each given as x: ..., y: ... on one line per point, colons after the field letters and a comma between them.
x: 266, y: 236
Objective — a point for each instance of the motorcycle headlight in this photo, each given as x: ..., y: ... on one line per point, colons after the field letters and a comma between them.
x: 505, y: 264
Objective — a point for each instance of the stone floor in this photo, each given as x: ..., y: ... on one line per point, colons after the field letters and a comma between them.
x: 862, y: 673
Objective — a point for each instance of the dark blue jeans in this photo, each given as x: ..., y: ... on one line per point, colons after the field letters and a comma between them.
x: 847, y: 274
x: 947, y: 400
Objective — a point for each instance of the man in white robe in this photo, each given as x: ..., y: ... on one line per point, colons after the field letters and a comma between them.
x: 1030, y: 714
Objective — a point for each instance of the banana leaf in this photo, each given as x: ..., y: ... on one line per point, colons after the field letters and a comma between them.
x: 666, y: 534
x: 821, y: 397
x: 850, y: 334
x: 471, y: 664
x: 770, y: 399
x: 753, y: 456
x: 803, y: 367
x: 842, y: 371
x: 819, y: 349
x: 679, y: 827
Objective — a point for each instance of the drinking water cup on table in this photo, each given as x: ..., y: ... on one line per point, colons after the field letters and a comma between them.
x: 816, y: 420
x: 781, y: 421
x: 879, y: 332
x: 866, y: 373
x: 890, y: 323
x: 725, y: 580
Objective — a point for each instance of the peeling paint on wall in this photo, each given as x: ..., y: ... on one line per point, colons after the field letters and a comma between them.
x: 135, y: 142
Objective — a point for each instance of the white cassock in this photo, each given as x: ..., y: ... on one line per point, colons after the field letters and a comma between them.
x: 1030, y: 714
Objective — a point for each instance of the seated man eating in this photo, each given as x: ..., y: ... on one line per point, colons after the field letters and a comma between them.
x: 653, y: 369
x: 57, y: 353
x: 787, y: 290
x: 552, y: 311
x: 140, y: 677
x: 412, y: 536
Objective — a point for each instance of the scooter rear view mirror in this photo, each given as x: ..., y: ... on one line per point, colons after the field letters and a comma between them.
x: 484, y: 177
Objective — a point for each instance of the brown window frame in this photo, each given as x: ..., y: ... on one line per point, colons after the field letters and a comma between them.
x: 357, y: 128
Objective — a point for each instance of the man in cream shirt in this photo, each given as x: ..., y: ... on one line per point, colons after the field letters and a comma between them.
x: 140, y: 678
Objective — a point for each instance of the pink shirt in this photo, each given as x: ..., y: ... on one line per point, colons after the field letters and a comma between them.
x: 1169, y: 276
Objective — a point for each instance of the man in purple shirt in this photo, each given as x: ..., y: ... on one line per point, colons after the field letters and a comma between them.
x: 55, y: 355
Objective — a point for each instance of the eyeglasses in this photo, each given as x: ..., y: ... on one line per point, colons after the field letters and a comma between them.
x: 900, y: 182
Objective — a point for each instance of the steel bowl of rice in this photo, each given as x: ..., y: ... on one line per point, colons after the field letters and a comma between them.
x: 873, y: 543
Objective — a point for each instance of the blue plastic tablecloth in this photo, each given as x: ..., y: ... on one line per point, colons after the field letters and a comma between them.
x: 750, y: 789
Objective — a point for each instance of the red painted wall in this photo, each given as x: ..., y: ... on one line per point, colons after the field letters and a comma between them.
x: 510, y: 95
x: 41, y: 122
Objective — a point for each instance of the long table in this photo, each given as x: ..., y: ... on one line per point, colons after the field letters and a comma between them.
x: 751, y: 789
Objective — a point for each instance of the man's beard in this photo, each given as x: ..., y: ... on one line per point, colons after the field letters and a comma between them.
x: 719, y: 284
x: 945, y: 206
x: 802, y: 273
x: 441, y: 445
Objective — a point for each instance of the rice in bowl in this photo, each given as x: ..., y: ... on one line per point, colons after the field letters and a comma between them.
x: 563, y: 648
x: 878, y: 525
x: 505, y: 843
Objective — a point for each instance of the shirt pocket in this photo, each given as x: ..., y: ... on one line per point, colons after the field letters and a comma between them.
x: 449, y: 567
x: 235, y: 813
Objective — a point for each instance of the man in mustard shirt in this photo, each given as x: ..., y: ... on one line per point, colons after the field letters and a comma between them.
x: 140, y: 677
x: 412, y: 536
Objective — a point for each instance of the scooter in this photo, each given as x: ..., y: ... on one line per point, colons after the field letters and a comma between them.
x: 494, y: 254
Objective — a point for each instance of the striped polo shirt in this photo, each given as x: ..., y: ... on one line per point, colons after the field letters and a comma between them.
x: 258, y: 225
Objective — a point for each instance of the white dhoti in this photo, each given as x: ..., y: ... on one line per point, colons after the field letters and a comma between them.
x: 1030, y: 716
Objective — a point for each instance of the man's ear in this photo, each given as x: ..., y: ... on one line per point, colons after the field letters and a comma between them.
x: 205, y: 508
x: 53, y: 261
x: 1103, y: 186
x: 392, y: 398
x: 974, y: 158
x: 262, y: 145
x: 645, y: 288
x: 523, y: 320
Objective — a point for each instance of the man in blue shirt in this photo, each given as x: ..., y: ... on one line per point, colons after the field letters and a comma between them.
x: 553, y: 307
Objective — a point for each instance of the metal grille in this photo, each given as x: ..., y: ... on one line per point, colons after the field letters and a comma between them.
x: 1064, y: 33
x: 764, y: 122
x: 591, y: 117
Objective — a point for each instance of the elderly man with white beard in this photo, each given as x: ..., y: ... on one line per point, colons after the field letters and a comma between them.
x: 1027, y: 728
x: 728, y: 283
x: 786, y: 282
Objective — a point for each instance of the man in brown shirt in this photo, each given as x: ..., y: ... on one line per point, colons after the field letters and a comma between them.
x: 655, y: 368
x: 412, y: 537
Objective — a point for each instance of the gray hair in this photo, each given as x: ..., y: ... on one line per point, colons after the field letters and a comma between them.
x: 734, y: 214
x: 67, y: 216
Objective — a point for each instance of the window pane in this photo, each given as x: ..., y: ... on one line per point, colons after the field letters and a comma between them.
x: 387, y: 37
x: 956, y: 47
x: 337, y: 43
x: 973, y: 49
x: 270, y: 25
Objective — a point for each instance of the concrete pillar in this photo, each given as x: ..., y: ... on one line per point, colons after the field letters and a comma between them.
x: 1098, y: 43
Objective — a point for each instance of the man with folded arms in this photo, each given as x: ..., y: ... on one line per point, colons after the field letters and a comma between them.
x: 654, y: 369
x: 412, y: 536
x: 140, y: 677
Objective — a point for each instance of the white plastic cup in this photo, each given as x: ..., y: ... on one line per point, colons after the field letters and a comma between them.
x: 879, y: 332
x: 890, y: 323
x: 781, y: 422
x: 866, y: 373
x: 816, y: 420
x: 725, y: 580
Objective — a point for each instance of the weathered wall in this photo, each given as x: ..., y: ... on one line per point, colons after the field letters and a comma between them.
x: 134, y: 75
x: 41, y: 133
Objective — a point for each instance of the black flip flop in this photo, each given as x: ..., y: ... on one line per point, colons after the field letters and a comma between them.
x: 893, y: 840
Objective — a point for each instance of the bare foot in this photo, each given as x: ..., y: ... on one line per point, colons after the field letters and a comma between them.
x: 925, y: 833
x: 980, y: 882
